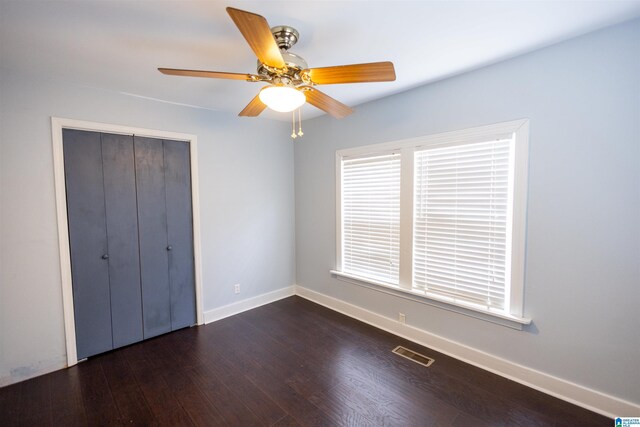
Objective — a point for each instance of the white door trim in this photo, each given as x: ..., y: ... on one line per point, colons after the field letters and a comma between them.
x: 57, y: 125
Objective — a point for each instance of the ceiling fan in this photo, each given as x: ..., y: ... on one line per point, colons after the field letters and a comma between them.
x: 290, y: 82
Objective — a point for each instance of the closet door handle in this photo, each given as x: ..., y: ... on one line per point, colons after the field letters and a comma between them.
x: 169, y: 248
x: 105, y: 256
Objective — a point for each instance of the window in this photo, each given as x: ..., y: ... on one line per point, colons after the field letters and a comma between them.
x: 460, y: 221
x: 441, y: 217
x: 371, y: 217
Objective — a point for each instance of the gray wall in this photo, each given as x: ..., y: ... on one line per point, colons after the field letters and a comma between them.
x: 583, y: 247
x: 583, y: 235
x: 246, y: 197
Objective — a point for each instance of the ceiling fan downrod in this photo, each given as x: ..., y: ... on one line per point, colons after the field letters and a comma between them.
x: 285, y: 36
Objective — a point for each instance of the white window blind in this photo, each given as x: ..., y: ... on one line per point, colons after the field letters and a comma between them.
x: 461, y: 226
x: 371, y: 217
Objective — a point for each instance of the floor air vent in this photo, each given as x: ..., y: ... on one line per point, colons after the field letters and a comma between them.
x: 412, y: 355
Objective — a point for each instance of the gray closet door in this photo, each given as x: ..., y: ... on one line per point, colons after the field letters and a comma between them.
x: 122, y: 236
x: 131, y: 236
x: 152, y: 222
x: 88, y: 241
x: 180, y: 233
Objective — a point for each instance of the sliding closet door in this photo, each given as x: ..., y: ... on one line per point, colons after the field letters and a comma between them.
x: 152, y: 223
x: 122, y: 235
x: 88, y: 241
x: 180, y: 233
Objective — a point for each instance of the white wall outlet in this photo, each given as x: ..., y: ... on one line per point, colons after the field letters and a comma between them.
x: 236, y: 288
x: 402, y: 318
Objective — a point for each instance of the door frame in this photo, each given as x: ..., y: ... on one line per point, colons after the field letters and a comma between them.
x: 57, y: 125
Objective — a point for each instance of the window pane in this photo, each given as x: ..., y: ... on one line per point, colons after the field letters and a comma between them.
x: 371, y: 217
x: 461, y: 203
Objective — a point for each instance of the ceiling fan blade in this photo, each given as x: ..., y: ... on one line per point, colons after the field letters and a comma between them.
x: 209, y: 74
x: 355, y: 73
x: 256, y: 31
x: 326, y: 103
x: 254, y: 108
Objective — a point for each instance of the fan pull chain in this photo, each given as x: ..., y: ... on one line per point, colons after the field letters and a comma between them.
x: 293, y: 125
x: 300, y: 133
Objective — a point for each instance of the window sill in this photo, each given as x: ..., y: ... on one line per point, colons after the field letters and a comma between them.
x: 467, y: 309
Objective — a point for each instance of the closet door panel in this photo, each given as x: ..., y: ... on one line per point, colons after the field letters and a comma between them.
x: 88, y: 241
x: 152, y: 223
x: 180, y: 233
x: 122, y: 233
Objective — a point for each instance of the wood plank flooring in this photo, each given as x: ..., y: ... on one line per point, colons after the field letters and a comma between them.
x: 289, y: 363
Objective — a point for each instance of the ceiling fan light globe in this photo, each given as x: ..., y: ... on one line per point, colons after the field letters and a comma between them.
x: 282, y: 99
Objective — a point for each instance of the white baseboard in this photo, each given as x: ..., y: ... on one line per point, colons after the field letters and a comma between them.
x: 28, y: 372
x: 593, y: 400
x: 247, y: 304
x: 25, y: 373
x: 585, y: 397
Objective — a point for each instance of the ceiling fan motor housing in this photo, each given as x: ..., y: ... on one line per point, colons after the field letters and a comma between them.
x: 285, y: 37
x: 294, y: 63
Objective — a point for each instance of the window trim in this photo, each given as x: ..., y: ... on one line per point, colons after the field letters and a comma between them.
x: 515, y: 292
x: 501, y: 318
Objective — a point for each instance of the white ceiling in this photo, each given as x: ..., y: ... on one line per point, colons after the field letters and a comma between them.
x: 117, y: 45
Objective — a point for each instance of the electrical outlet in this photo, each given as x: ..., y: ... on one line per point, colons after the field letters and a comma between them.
x: 402, y: 318
x: 236, y: 288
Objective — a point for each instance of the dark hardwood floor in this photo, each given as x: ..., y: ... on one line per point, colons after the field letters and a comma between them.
x: 290, y: 363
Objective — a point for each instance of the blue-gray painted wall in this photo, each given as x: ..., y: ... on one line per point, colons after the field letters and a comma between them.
x: 583, y: 235
x: 583, y: 249
x: 246, y: 206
